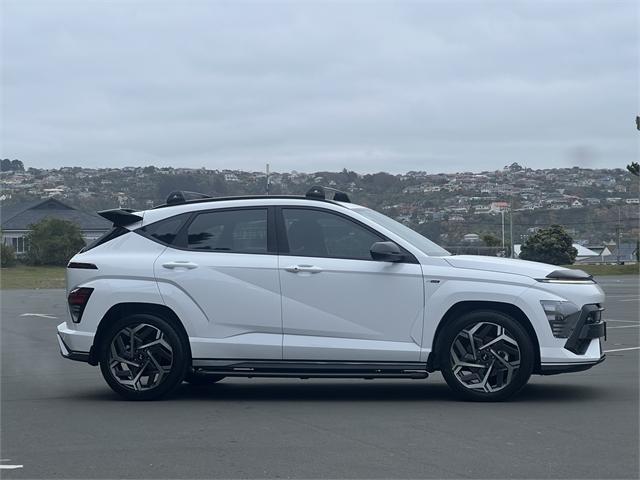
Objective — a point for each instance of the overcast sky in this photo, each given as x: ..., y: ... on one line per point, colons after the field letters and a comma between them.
x: 370, y: 86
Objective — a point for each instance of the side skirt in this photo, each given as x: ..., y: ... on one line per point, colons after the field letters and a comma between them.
x: 309, y: 369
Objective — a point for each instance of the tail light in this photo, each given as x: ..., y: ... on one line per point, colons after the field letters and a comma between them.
x: 78, y: 298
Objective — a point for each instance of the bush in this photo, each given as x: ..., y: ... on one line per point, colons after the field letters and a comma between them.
x: 7, y: 256
x: 53, y: 242
x: 550, y: 245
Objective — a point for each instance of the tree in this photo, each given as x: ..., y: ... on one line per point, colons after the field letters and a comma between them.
x: 7, y: 256
x: 550, y: 245
x: 634, y: 168
x: 53, y: 242
x: 491, y: 240
x: 7, y: 165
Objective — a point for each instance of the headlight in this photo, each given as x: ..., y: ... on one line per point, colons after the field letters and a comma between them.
x: 562, y: 317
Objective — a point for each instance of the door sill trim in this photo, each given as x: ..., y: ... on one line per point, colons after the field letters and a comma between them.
x: 309, y: 368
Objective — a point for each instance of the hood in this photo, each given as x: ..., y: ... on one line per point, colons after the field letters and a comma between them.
x: 503, y: 265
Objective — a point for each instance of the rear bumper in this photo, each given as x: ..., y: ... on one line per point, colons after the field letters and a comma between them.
x: 556, y: 368
x: 75, y: 345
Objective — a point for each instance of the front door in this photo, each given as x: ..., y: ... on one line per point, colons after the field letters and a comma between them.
x: 338, y: 304
x: 226, y: 267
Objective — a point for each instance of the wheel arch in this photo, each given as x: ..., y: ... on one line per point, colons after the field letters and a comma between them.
x: 464, y: 307
x: 120, y: 310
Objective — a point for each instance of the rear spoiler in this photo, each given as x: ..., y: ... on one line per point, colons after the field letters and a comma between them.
x: 121, y: 217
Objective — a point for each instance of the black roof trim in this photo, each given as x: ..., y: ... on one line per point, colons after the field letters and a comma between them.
x: 246, y: 197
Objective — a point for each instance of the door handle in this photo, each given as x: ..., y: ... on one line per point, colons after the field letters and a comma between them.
x: 180, y: 264
x: 303, y: 268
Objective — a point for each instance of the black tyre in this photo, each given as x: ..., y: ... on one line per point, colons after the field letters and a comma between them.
x: 486, y: 356
x: 199, y: 379
x: 143, y: 357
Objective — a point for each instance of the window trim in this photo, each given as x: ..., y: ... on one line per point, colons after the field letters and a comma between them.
x: 181, y: 240
x: 283, y: 240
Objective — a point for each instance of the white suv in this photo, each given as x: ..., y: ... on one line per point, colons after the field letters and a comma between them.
x: 288, y: 286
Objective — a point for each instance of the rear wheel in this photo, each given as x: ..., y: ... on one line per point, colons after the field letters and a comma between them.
x: 143, y: 357
x: 486, y: 356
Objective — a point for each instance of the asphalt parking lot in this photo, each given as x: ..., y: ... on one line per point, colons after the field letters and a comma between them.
x: 59, y: 418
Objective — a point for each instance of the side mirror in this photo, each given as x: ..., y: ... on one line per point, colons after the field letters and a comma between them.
x: 386, y: 252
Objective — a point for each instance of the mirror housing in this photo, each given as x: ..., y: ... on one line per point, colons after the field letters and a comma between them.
x: 386, y: 252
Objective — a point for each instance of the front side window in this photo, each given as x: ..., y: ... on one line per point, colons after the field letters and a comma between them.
x: 424, y: 244
x: 314, y: 233
x: 237, y: 231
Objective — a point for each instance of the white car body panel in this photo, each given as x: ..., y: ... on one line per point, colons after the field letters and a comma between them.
x: 238, y: 294
x: 351, y: 310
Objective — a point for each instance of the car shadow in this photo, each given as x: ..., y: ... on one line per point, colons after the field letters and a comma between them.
x: 307, y: 391
x: 356, y: 391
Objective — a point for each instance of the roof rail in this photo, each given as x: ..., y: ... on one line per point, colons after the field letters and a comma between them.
x: 181, y: 196
x: 318, y: 192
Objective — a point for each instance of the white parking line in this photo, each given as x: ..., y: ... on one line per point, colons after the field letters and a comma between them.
x: 621, y: 349
x: 624, y: 326
x: 623, y: 321
x: 43, y: 315
x: 8, y: 467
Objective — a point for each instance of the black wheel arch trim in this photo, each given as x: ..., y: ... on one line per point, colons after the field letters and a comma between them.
x: 120, y: 310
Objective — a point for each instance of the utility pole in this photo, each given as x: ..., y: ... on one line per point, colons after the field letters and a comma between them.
x: 502, y: 214
x: 511, y: 231
x: 267, y: 179
x: 618, y: 227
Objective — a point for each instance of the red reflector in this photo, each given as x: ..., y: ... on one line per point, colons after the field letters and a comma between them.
x: 79, y: 296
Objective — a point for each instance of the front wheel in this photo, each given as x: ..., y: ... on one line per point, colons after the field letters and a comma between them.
x: 486, y: 356
x: 143, y: 357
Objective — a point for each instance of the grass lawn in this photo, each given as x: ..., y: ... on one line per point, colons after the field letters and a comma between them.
x: 32, y: 277
x: 598, y: 270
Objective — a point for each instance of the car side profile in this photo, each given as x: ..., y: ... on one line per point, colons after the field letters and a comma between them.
x: 202, y: 288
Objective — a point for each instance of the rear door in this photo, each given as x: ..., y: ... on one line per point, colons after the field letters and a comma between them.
x: 338, y: 304
x: 224, y: 261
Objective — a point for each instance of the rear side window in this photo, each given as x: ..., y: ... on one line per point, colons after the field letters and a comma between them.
x: 115, y: 232
x: 165, y: 231
x: 234, y: 231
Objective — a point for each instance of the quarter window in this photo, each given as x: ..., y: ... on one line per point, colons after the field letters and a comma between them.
x: 313, y: 233
x: 165, y: 231
x: 238, y: 231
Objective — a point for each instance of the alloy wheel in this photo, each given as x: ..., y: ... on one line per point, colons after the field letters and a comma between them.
x: 140, y: 357
x: 485, y: 357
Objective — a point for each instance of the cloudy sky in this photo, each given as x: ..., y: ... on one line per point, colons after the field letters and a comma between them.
x: 370, y: 86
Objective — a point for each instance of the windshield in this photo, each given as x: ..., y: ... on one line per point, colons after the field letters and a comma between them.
x: 411, y: 236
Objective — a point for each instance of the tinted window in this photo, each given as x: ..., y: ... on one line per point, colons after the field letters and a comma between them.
x: 313, y: 233
x: 241, y: 231
x: 165, y: 230
x: 107, y: 237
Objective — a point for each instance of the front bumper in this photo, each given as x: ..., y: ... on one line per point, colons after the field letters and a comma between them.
x: 556, y: 368
x: 586, y: 329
